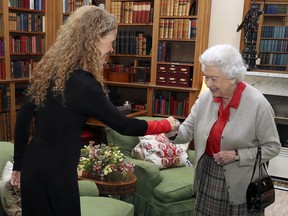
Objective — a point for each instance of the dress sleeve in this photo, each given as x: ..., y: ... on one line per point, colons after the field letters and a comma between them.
x: 85, y: 96
x: 157, y: 127
x: 22, y: 131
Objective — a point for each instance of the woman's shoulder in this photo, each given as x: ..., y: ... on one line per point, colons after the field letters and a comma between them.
x: 81, y: 74
x: 253, y: 92
x: 81, y: 77
x: 254, y: 96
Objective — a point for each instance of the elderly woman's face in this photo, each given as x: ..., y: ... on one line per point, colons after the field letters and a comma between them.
x: 107, y: 44
x: 218, y: 83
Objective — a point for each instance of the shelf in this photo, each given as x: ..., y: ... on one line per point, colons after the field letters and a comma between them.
x: 178, y: 40
x: 135, y: 24
x: 26, y: 10
x: 130, y: 56
x: 26, y: 32
x: 178, y: 17
x: 176, y: 63
x: 174, y: 88
x: 128, y: 84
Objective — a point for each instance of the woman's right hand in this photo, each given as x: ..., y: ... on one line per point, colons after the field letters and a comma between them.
x: 15, y: 179
x: 174, y: 125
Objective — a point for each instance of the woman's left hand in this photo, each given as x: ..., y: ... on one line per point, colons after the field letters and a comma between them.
x: 224, y: 157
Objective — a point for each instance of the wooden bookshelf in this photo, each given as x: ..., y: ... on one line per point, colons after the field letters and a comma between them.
x: 272, y: 36
x: 26, y: 32
x: 141, y: 87
x: 185, y: 50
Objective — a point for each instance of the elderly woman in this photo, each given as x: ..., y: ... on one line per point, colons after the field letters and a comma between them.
x: 227, y: 123
x: 67, y: 88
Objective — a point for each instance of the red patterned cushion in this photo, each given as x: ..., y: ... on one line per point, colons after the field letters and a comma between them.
x: 159, y: 150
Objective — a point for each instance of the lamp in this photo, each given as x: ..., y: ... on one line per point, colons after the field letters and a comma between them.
x: 203, y: 87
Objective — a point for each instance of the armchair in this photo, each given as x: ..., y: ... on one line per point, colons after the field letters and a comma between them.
x: 91, y: 203
x: 166, y: 192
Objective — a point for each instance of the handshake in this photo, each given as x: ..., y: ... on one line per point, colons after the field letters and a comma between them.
x: 174, y: 126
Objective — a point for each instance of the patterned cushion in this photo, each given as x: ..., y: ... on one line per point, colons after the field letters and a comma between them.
x: 159, y: 150
x: 10, y: 197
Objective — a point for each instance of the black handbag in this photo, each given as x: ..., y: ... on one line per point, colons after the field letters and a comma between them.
x: 260, y: 193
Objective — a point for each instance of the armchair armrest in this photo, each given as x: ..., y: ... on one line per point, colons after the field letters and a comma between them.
x: 147, y: 174
x: 88, y: 188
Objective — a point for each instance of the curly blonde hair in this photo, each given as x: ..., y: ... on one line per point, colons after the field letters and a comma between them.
x: 77, y: 46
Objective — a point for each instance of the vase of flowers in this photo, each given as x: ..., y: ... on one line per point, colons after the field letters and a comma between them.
x: 104, y: 162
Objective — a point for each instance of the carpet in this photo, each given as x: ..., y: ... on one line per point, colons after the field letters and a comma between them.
x: 281, y: 184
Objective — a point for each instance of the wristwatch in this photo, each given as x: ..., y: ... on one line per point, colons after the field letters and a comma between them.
x: 237, y: 158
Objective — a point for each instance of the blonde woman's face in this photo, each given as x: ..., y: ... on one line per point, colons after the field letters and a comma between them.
x: 107, y: 44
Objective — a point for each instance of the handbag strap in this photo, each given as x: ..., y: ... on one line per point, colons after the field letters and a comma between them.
x: 258, y: 160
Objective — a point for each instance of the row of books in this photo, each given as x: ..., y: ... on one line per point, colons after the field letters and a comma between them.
x: 28, y: 4
x: 1, y: 47
x: 71, y: 5
x: 285, y: 20
x: 2, y: 70
x: 170, y: 105
x: 4, y: 98
x: 176, y: 7
x: 164, y: 51
x: 133, y: 11
x: 273, y: 46
x: 133, y: 43
x: 5, y: 134
x: 26, y: 22
x: 139, y: 74
x: 22, y: 68
x: 273, y: 59
x: 276, y: 9
x: 274, y: 31
x: 273, y: 68
x: 140, y: 107
x: 177, y: 28
x: 27, y: 44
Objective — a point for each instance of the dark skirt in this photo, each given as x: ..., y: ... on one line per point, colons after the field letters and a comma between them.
x: 212, y: 194
x: 49, y: 185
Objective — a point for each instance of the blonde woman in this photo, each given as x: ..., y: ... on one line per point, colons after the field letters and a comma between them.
x: 66, y: 88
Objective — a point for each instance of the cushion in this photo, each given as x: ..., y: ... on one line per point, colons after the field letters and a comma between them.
x: 10, y: 196
x: 159, y: 150
x: 177, y: 184
x: 105, y: 206
x: 125, y: 143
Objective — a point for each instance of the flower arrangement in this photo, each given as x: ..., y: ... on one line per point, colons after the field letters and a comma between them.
x: 100, y: 160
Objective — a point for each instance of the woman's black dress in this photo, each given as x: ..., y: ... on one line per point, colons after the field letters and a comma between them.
x: 49, y: 163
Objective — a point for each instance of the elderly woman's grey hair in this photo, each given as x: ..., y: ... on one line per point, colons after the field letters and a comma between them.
x: 227, y: 59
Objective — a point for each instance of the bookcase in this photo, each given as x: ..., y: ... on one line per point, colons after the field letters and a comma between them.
x: 272, y: 36
x: 133, y: 71
x: 24, y: 38
x: 155, y: 60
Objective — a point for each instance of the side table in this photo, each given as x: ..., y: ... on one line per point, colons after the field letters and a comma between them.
x: 106, y: 188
